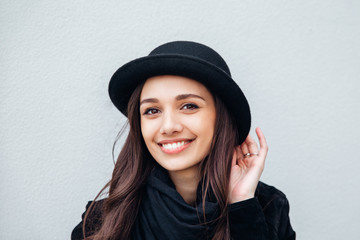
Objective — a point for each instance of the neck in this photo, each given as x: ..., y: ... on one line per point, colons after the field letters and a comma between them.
x: 186, y: 183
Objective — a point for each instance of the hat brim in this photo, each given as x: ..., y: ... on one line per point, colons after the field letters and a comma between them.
x: 129, y: 76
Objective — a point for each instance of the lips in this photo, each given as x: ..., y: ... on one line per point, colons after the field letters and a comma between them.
x: 174, y: 146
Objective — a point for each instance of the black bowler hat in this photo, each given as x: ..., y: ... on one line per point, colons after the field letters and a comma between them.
x: 187, y: 59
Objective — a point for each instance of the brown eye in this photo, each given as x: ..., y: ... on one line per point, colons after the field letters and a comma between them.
x: 151, y: 111
x: 190, y: 106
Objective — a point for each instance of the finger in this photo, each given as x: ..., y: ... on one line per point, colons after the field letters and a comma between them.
x: 239, y: 154
x: 234, y: 158
x: 251, y: 145
x: 263, y: 144
x: 244, y: 148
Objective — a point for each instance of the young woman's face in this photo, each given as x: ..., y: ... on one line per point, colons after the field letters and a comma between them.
x: 177, y: 121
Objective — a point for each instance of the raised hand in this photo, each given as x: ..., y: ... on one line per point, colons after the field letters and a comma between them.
x: 247, y: 166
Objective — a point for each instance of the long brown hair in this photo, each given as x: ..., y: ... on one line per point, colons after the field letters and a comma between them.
x: 135, y: 163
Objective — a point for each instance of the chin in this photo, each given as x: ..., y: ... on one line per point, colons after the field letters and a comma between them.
x: 179, y: 164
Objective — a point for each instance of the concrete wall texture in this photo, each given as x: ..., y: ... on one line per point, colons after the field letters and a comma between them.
x: 296, y: 61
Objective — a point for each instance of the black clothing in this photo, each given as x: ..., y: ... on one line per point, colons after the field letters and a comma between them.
x: 165, y: 215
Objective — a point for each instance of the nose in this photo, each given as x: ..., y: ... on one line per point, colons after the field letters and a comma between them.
x: 170, y: 124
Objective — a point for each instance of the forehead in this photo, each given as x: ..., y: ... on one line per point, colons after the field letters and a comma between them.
x: 170, y: 85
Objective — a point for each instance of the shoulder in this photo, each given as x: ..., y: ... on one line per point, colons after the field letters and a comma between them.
x: 275, y: 207
x: 266, y: 193
x: 93, y: 222
x: 271, y: 199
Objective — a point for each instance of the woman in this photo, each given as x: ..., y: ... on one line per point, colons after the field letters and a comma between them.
x: 189, y: 168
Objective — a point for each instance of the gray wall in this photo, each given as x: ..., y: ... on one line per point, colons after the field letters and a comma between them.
x: 297, y: 62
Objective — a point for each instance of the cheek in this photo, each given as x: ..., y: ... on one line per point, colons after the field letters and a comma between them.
x: 148, y: 129
x: 145, y: 130
x: 209, y: 127
x: 203, y: 126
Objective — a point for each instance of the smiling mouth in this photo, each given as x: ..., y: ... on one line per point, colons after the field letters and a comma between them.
x: 175, y: 147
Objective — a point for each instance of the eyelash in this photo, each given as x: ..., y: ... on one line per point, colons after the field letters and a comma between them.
x: 188, y: 106
x: 192, y: 105
x: 146, y: 112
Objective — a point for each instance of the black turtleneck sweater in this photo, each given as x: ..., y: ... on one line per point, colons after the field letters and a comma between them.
x: 163, y: 214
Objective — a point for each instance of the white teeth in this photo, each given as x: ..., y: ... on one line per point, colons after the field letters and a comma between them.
x: 172, y: 146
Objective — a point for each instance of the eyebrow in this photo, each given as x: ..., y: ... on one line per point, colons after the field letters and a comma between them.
x: 177, y: 98
x: 149, y: 100
x: 185, y: 96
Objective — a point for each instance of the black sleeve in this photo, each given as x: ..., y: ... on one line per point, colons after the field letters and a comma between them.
x: 249, y: 220
x: 93, y: 222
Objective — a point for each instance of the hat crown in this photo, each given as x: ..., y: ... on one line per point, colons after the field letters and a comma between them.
x: 188, y: 59
x: 193, y: 50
